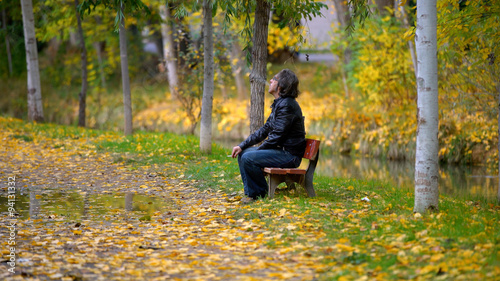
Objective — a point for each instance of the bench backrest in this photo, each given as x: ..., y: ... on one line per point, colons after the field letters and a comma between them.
x: 312, y: 148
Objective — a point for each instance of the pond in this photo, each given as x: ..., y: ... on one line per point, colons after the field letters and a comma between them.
x: 456, y: 181
x: 472, y: 182
x: 74, y: 204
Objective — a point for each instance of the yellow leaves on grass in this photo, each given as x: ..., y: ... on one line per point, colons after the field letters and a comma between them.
x: 197, y: 235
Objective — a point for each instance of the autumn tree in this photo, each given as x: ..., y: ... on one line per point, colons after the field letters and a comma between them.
x: 83, y: 56
x: 208, y: 80
x: 35, y: 106
x: 383, y: 5
x: 469, y: 46
x: 121, y: 7
x: 238, y: 67
x: 7, y: 43
x: 256, y: 33
x: 427, y: 147
x: 343, y: 52
x: 169, y: 48
x: 411, y: 45
x: 259, y: 63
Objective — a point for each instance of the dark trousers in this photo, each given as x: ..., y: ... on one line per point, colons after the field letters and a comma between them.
x: 251, y: 161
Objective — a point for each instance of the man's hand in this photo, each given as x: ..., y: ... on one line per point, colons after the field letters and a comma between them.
x: 236, y: 150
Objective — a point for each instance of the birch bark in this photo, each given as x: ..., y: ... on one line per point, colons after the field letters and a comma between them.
x: 426, y: 163
x: 35, y: 106
x: 127, y: 100
x: 168, y: 50
x: 208, y: 80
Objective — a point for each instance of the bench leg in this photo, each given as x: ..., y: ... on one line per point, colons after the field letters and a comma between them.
x: 308, y: 185
x: 273, y: 182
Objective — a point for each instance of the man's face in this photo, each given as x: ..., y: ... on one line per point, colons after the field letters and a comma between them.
x: 273, y: 85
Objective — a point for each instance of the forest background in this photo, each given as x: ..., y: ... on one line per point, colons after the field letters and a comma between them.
x: 363, y: 104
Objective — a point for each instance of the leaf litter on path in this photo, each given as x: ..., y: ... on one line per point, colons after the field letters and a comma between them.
x: 65, y: 233
x: 85, y: 214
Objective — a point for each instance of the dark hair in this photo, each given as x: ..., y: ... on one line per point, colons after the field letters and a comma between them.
x: 288, y: 83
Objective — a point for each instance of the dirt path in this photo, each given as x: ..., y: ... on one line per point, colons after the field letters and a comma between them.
x: 194, y: 237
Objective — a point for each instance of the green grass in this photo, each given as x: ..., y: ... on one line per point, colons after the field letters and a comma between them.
x: 383, y: 235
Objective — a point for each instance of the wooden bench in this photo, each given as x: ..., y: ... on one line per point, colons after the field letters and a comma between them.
x: 290, y: 176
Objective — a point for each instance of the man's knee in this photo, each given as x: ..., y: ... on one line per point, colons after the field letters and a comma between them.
x: 246, y: 159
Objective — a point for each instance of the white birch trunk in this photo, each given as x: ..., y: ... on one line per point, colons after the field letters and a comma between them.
x: 168, y: 50
x: 208, y: 80
x: 35, y: 106
x: 426, y: 163
x: 83, y: 55
x: 238, y: 68
x: 127, y: 101
x: 498, y: 145
x: 7, y: 43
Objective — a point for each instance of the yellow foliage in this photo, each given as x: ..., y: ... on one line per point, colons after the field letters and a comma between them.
x: 283, y: 38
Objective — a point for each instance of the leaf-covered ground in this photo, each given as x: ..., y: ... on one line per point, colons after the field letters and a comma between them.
x: 206, y: 234
x: 195, y: 239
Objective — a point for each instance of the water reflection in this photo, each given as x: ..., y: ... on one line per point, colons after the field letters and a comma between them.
x: 457, y: 181
x: 77, y: 204
x: 129, y: 201
x: 34, y: 198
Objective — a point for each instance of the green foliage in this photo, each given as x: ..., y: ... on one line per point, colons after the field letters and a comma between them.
x: 190, y: 90
x: 291, y: 13
x: 15, y: 34
x: 360, y: 11
x: 121, y: 7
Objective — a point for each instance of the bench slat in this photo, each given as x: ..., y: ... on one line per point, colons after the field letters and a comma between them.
x: 285, y: 171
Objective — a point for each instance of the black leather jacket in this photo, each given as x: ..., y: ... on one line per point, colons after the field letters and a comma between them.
x: 284, y: 129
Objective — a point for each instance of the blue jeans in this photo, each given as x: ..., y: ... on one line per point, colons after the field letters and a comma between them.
x: 251, y: 162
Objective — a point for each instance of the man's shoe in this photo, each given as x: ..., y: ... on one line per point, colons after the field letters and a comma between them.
x: 247, y: 200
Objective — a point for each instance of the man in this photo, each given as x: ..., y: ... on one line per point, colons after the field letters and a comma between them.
x: 283, y: 135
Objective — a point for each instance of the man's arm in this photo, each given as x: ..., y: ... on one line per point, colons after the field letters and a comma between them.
x: 258, y: 136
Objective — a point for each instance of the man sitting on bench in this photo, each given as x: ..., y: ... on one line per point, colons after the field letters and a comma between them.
x: 283, y: 135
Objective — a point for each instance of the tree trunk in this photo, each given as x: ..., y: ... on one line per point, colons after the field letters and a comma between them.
x: 344, y: 17
x: 238, y: 68
x: 208, y: 80
x: 383, y: 4
x: 35, y: 106
x: 426, y: 162
x: 342, y: 10
x: 168, y: 49
x: 498, y: 145
x: 99, y: 46
x: 410, y: 43
x: 7, y: 44
x: 83, y: 92
x: 259, y: 62
x: 127, y: 102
